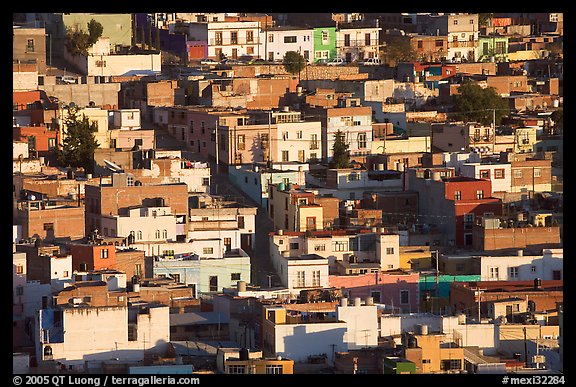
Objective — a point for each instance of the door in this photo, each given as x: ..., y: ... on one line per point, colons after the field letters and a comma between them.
x: 246, y: 242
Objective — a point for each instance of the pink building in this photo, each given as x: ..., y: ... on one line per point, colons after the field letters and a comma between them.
x: 395, y: 288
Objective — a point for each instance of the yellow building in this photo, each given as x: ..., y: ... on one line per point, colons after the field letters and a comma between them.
x: 415, y: 257
x: 432, y: 353
x: 242, y: 361
x: 294, y: 209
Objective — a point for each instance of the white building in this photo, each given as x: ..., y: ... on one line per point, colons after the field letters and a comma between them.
x: 174, y: 169
x: 499, y: 174
x: 124, y: 119
x: 277, y: 41
x: 548, y: 266
x: 298, y: 141
x: 484, y: 336
x: 306, y: 271
x: 232, y: 39
x: 74, y: 335
x: 354, y: 122
x: 457, y: 159
x: 361, y: 323
x: 144, y: 224
x: 355, y: 44
x: 336, y: 247
x: 101, y: 62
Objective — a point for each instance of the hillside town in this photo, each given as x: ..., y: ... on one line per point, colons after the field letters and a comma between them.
x: 287, y: 193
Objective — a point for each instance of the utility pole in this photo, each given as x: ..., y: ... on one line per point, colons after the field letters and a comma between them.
x: 217, y: 158
x: 525, y: 349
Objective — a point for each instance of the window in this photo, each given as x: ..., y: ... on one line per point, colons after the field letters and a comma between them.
x: 139, y: 235
x: 451, y: 364
x: 206, y: 181
x: 300, y: 279
x: 426, y: 361
x: 48, y: 226
x: 485, y: 174
x: 130, y: 181
x: 157, y: 234
x: 517, y: 174
x: 30, y: 45
x: 389, y: 250
x: 138, y: 269
x: 316, y: 278
x: 236, y: 369
x: 241, y: 142
x: 285, y: 156
x: 457, y: 195
x: 241, y: 223
x: 455, y: 22
x: 175, y: 277
x: 286, y: 201
x: 301, y: 156
x: 479, y: 194
x: 347, y: 40
x: 274, y: 369
x: 439, y: 43
x: 51, y: 143
x: 320, y: 248
x: 468, y: 221
x: 420, y: 44
x: 164, y: 234
x: 340, y: 246
x: 290, y: 39
x: 324, y: 37
x: 556, y: 274
x: 299, y: 134
x: 404, y: 296
x: 104, y: 253
x: 218, y: 38
x: 362, y: 140
x: 250, y: 36
x: 19, y: 290
x: 513, y: 272
x: 294, y: 246
x: 213, y: 283
x: 311, y: 223
x: 314, y: 141
x: 493, y: 273
x: 498, y: 173
x: 234, y: 37
x: 537, y: 172
x: 208, y: 250
x: 235, y: 277
x: 271, y: 38
x: 19, y: 269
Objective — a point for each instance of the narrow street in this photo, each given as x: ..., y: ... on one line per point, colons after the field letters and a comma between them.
x: 263, y: 273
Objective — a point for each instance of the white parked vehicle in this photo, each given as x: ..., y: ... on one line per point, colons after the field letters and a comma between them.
x: 371, y: 62
x: 208, y: 61
x: 336, y: 62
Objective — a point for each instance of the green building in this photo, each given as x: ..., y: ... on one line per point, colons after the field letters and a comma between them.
x: 115, y: 26
x: 398, y: 365
x: 324, y: 43
x: 493, y: 46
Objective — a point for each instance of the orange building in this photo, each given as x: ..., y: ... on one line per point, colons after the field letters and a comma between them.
x: 90, y: 256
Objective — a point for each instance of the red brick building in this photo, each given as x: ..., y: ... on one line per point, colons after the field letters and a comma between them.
x: 40, y: 218
x: 541, y: 295
x: 90, y: 256
x: 453, y: 203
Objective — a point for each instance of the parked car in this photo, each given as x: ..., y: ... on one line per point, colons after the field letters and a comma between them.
x: 208, y: 61
x: 370, y: 62
x: 230, y: 61
x: 336, y: 62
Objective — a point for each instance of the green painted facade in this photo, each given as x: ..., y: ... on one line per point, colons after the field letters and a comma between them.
x: 492, y: 45
x: 396, y: 365
x: 117, y: 27
x: 324, y: 43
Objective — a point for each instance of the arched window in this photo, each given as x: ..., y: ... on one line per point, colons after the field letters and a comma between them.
x: 157, y: 234
x: 164, y: 234
x: 139, y: 235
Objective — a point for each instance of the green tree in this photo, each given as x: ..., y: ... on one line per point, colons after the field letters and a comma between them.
x: 293, y: 62
x: 341, y: 154
x: 484, y: 19
x: 557, y: 116
x: 79, y: 143
x: 399, y: 49
x: 476, y: 104
x: 78, y: 42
